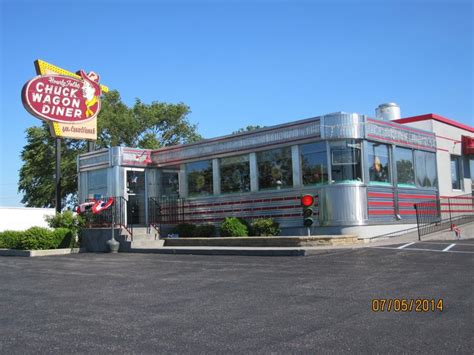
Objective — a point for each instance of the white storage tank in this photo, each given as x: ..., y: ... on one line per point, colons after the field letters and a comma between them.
x: 388, y: 112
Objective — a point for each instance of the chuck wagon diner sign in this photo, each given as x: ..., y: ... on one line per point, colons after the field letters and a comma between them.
x: 69, y: 102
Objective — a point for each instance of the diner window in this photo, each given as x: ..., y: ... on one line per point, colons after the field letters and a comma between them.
x: 235, y: 174
x: 379, y: 163
x: 314, y: 163
x: 425, y: 166
x: 199, y: 178
x: 345, y: 161
x: 405, y: 168
x: 456, y: 172
x: 170, y: 184
x: 97, y: 182
x: 275, y: 169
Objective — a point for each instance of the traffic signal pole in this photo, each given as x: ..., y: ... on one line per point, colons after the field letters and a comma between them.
x: 307, y: 202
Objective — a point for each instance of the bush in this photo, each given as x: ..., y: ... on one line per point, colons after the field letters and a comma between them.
x: 10, y: 239
x: 233, y: 227
x: 204, y: 231
x: 67, y: 219
x: 184, y: 230
x: 265, y: 227
x: 248, y: 225
x: 37, y: 238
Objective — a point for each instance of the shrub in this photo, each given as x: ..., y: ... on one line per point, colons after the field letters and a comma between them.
x: 184, y: 230
x: 37, y: 238
x: 265, y: 226
x: 248, y: 225
x: 233, y: 227
x: 204, y: 231
x: 67, y: 219
x: 64, y: 238
x: 10, y: 239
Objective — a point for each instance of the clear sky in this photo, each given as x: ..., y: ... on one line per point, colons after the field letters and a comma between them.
x: 239, y: 63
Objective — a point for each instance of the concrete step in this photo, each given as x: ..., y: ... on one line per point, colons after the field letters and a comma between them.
x: 146, y: 244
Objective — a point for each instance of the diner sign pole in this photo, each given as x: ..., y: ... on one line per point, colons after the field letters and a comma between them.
x: 58, y: 175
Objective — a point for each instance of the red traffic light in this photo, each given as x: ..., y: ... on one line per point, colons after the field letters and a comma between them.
x: 307, y: 200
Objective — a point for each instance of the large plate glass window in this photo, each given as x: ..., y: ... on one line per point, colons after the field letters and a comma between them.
x: 274, y: 169
x: 405, y: 167
x: 379, y: 163
x: 97, y: 183
x: 456, y: 172
x: 345, y: 161
x: 199, y: 178
x: 314, y: 163
x: 235, y: 174
x: 170, y: 184
x: 425, y: 166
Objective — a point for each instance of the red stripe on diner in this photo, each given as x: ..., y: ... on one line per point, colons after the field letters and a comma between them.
x: 380, y: 203
x: 268, y: 208
x: 443, y: 150
x: 414, y: 212
x: 222, y: 218
x: 380, y: 194
x: 417, y: 196
x: 404, y: 143
x: 381, y: 212
x: 241, y: 202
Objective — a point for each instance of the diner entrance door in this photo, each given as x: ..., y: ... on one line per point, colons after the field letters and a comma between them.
x: 136, y: 186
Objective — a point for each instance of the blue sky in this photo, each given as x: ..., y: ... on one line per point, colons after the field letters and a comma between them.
x: 239, y: 63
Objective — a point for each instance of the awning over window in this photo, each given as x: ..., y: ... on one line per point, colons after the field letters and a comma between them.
x: 467, y: 145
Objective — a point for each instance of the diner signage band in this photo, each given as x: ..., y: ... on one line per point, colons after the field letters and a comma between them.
x: 69, y: 102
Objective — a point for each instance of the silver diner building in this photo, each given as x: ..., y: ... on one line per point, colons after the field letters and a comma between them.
x: 365, y: 174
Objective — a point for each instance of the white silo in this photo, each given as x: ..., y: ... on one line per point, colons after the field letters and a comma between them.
x: 388, y: 112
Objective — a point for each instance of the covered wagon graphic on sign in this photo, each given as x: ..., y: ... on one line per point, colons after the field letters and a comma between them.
x: 64, y: 99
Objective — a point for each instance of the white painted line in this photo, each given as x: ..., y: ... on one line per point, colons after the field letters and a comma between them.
x: 406, y: 245
x: 420, y: 249
x: 448, y: 247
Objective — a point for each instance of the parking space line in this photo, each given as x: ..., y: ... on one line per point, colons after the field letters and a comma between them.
x: 449, y: 247
x: 422, y: 249
x: 406, y: 245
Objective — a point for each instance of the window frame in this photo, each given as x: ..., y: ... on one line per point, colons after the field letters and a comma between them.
x: 324, y: 149
x: 458, y: 159
x: 211, y: 183
x: 395, y: 160
x: 368, y: 164
x: 221, y: 175
x: 291, y: 183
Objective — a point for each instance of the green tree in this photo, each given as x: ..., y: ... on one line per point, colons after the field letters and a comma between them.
x: 248, y: 128
x: 148, y: 126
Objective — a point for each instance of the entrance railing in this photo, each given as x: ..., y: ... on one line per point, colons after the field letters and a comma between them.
x: 445, y: 213
x: 104, y: 219
x: 165, y: 210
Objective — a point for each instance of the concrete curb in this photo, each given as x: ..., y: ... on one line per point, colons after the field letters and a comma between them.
x: 243, y: 251
x: 48, y: 252
x: 268, y: 242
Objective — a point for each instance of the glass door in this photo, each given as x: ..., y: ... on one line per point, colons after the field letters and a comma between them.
x: 136, y: 209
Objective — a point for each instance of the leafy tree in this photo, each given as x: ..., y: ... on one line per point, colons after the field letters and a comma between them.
x: 148, y: 126
x: 37, y: 180
x: 248, y: 128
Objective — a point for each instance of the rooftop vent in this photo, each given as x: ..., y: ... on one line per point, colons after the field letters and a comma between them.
x: 388, y: 112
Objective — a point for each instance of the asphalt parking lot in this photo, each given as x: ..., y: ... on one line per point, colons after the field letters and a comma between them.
x: 145, y: 303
